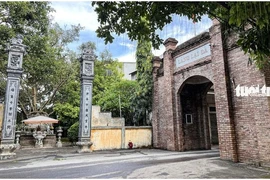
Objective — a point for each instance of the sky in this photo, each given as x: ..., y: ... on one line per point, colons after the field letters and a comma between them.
x: 81, y: 12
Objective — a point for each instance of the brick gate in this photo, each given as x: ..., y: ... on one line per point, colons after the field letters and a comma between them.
x: 184, y: 79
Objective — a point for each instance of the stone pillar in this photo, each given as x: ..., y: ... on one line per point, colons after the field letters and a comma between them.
x: 59, y: 134
x: 155, y: 108
x: 87, y: 77
x: 16, y: 51
x: 169, y: 132
x: 226, y: 127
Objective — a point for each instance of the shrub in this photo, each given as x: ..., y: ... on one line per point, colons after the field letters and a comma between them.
x: 73, y: 132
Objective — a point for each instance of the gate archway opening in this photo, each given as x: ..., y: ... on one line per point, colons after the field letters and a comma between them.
x: 198, y: 114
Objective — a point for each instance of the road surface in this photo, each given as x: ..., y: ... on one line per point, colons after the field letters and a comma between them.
x: 147, y: 163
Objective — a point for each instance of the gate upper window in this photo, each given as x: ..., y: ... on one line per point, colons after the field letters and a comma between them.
x: 189, y: 119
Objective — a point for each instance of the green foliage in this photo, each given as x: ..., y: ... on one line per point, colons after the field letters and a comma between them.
x: 48, y: 65
x: 119, y: 91
x: 107, y: 72
x: 142, y: 101
x: 73, y: 132
x: 67, y: 107
x: 250, y: 20
x: 30, y: 19
x: 48, y: 72
x: 26, y: 18
x: 115, y: 17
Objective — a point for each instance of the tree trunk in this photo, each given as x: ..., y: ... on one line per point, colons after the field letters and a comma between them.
x: 34, y: 89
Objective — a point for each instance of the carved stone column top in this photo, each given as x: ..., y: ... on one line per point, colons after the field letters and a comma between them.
x: 16, y: 45
x: 88, y: 54
x: 87, y: 63
x: 16, y: 51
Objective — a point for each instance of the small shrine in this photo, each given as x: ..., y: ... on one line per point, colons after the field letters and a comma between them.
x: 38, y: 132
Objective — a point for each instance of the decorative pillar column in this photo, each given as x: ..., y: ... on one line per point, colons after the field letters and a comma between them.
x: 87, y: 77
x: 156, y: 61
x: 18, y: 135
x: 59, y: 134
x: 16, y: 51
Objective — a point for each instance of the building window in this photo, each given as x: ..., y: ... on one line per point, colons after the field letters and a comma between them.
x: 108, y: 72
x: 189, y: 119
x: 212, y: 109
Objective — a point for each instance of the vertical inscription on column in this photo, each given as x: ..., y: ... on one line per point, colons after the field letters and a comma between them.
x: 87, y: 108
x: 10, y: 108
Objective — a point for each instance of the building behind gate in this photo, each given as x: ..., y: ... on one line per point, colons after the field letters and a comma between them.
x: 195, y: 103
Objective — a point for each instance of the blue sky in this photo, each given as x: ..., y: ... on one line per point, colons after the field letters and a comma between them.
x: 81, y: 12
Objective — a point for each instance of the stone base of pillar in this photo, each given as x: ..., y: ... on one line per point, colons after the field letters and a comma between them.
x: 84, y: 147
x: 7, y: 151
x: 38, y: 145
x: 18, y: 146
x: 59, y: 144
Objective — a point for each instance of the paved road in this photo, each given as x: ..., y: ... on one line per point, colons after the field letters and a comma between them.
x: 147, y: 163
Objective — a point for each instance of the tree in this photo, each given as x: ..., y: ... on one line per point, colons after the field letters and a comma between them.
x: 25, y: 18
x: 116, y: 95
x: 250, y: 20
x: 67, y: 107
x: 142, y: 101
x: 48, y: 72
x: 107, y: 71
x: 30, y: 19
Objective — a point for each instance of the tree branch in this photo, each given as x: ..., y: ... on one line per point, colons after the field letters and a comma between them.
x: 51, y: 113
x: 26, y: 93
x: 23, y: 109
x: 54, y: 93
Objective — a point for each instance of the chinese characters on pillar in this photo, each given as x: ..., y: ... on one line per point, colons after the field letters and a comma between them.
x: 87, y: 112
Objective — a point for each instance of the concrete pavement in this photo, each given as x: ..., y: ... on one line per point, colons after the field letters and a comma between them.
x: 136, y: 163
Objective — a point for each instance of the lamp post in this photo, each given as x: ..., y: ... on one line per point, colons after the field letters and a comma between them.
x: 87, y: 76
x: 16, y: 51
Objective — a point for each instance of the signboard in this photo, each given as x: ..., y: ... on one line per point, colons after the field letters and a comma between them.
x: 193, y: 55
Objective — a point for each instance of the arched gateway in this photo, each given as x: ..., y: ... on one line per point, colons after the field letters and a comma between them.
x: 195, y: 101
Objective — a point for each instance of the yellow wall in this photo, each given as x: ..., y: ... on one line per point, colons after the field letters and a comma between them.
x: 103, y: 139
x: 111, y: 133
x: 139, y: 137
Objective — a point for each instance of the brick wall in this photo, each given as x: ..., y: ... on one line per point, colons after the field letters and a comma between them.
x: 251, y: 114
x: 242, y: 122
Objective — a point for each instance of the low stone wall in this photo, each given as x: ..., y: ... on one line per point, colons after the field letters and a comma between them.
x: 118, y: 137
x: 28, y: 141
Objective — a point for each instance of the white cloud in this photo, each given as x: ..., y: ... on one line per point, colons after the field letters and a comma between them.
x: 128, y: 45
x: 130, y: 57
x: 159, y: 52
x: 67, y: 13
